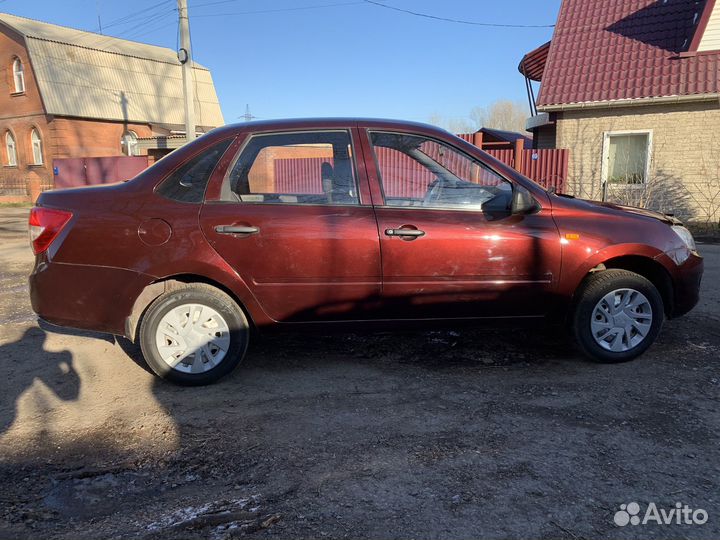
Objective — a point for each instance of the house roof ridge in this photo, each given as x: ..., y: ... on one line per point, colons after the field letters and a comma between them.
x: 195, y: 64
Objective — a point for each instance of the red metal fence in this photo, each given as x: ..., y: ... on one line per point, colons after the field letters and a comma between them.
x: 299, y: 175
x: 72, y: 172
x: 405, y: 177
x: 548, y: 166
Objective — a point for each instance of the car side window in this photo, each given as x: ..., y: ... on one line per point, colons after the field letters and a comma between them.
x: 417, y: 171
x: 188, y: 182
x: 294, y: 168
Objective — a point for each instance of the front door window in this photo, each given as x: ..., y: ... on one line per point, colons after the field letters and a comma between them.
x: 419, y: 172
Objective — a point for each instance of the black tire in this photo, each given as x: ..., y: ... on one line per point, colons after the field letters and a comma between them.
x: 206, y: 295
x: 591, y: 292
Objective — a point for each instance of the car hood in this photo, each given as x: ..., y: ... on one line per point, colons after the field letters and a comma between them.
x: 622, y: 209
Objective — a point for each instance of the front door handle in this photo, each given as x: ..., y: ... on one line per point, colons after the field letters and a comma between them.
x: 236, y: 229
x: 414, y: 233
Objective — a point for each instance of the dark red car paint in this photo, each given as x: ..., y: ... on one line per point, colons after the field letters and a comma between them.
x: 123, y: 238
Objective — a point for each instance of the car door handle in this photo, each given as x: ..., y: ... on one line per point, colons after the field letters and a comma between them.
x: 236, y: 229
x: 404, y: 232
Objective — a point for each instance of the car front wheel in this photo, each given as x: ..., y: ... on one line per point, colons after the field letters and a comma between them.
x: 193, y: 335
x: 618, y: 315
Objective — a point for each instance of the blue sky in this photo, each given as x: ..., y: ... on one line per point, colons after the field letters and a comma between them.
x: 355, y: 59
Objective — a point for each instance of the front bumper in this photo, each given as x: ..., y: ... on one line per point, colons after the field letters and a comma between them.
x: 686, y: 280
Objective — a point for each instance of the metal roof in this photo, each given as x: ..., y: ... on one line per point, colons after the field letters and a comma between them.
x: 503, y: 135
x: 89, y: 75
x: 624, y: 50
x: 533, y: 63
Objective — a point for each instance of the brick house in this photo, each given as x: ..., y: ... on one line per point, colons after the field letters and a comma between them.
x: 632, y: 88
x: 67, y: 93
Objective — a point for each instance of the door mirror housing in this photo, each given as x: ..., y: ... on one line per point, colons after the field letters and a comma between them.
x: 523, y: 202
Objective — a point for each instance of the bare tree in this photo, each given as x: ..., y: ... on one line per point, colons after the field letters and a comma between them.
x: 503, y: 114
x: 453, y: 125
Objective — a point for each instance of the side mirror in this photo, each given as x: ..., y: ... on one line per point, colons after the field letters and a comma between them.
x: 523, y: 202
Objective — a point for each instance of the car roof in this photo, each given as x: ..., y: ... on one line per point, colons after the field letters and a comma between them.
x: 332, y: 122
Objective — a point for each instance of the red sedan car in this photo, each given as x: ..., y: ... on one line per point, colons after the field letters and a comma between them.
x: 331, y: 221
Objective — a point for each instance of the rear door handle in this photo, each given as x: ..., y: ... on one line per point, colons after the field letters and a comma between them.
x: 404, y: 232
x: 236, y: 229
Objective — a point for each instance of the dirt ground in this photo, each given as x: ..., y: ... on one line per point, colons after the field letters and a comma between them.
x: 467, y: 433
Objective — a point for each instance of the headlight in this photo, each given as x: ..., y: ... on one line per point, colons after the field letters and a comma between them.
x: 686, y: 236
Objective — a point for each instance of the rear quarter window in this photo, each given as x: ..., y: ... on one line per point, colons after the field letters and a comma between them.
x: 188, y: 182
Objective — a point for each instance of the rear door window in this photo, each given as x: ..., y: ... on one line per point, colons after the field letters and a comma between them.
x: 294, y: 168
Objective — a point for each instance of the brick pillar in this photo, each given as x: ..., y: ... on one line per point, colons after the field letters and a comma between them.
x: 35, y: 188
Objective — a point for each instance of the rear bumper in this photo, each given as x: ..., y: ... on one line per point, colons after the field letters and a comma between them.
x: 96, y: 298
x: 687, y: 279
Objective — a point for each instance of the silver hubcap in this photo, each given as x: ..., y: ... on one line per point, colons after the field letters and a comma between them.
x: 192, y: 338
x: 621, y: 320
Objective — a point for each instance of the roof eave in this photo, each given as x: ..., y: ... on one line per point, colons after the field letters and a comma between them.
x: 636, y: 102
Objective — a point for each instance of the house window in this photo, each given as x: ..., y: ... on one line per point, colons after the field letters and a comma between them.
x: 19, y: 76
x: 36, y: 147
x: 11, y: 149
x: 627, y: 157
x: 129, y: 143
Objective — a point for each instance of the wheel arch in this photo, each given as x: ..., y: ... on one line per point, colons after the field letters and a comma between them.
x: 646, y: 267
x: 172, y: 283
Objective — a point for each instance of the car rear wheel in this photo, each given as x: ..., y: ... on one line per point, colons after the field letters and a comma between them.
x: 617, y: 316
x: 193, y: 335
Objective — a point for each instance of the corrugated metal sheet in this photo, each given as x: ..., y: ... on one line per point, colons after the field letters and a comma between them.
x: 626, y: 49
x: 505, y: 155
x: 548, y: 167
x: 403, y: 177
x: 93, y: 76
x: 299, y: 175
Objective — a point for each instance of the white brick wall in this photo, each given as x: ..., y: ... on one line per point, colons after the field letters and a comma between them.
x: 685, y: 154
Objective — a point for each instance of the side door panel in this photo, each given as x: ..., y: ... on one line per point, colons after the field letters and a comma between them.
x: 464, y: 265
x: 305, y: 262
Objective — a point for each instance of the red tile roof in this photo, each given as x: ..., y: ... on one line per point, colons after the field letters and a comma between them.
x: 626, y: 49
x: 533, y: 63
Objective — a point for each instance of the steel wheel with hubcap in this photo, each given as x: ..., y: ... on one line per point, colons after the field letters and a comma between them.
x: 621, y: 320
x: 193, y: 335
x: 618, y: 315
x: 192, y: 338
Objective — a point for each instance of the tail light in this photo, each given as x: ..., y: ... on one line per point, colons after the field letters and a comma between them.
x: 44, y: 226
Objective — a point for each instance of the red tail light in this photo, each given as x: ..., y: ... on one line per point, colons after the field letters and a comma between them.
x: 45, y: 224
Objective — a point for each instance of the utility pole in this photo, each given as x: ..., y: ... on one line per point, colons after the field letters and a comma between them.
x: 185, y: 57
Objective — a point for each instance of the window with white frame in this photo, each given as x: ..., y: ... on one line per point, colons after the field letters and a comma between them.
x: 36, y: 147
x: 19, y: 75
x: 129, y: 143
x: 627, y: 157
x: 11, y: 149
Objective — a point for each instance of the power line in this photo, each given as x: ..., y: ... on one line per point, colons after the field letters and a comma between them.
x: 458, y: 21
x: 128, y: 32
x: 136, y: 15
x: 298, y: 8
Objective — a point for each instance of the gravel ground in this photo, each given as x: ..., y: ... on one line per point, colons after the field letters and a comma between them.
x: 467, y: 433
